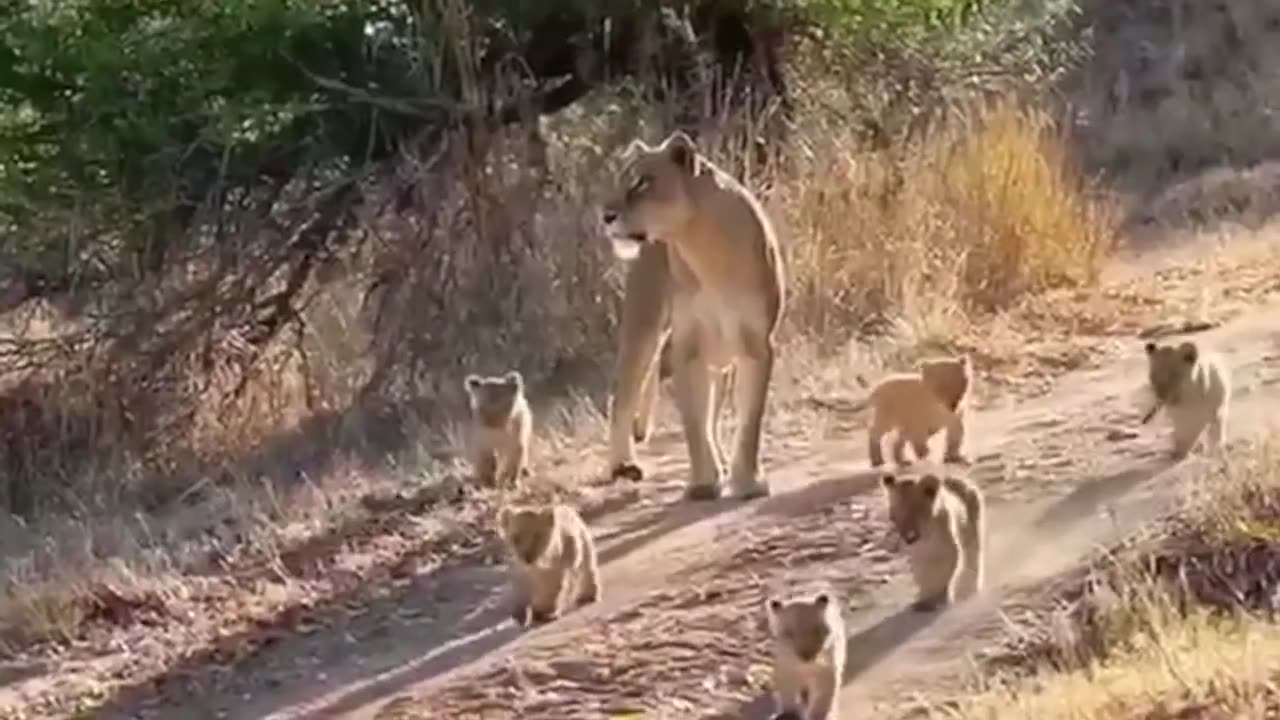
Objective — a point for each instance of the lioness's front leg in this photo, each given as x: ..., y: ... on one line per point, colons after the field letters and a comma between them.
x: 692, y: 380
x: 645, y: 314
x: 752, y: 386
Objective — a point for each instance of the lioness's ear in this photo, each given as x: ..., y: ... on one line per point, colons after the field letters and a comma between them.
x: 1189, y: 352
x: 929, y: 485
x: 682, y: 151
x: 1150, y: 347
x: 472, y: 383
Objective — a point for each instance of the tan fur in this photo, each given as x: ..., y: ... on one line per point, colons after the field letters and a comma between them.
x: 705, y: 254
x: 552, y: 552
x: 1193, y: 386
x: 918, y: 405
x: 942, y: 522
x: 808, y: 656
x: 501, y: 426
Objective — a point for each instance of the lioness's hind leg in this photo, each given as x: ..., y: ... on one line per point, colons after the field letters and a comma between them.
x: 692, y: 381
x: 648, y: 397
x: 752, y: 396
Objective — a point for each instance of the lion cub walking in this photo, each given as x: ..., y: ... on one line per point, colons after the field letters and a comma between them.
x: 941, y: 520
x: 1194, y: 388
x: 808, y: 656
x: 552, y: 552
x: 501, y: 424
x: 917, y: 405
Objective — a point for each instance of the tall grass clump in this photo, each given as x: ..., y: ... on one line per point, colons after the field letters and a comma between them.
x: 984, y: 210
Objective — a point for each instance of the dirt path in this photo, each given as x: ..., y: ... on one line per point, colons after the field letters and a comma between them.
x: 679, y: 634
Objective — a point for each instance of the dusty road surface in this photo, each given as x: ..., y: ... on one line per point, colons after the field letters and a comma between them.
x: 679, y: 632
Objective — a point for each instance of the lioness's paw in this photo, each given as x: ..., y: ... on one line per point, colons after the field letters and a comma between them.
x: 702, y: 491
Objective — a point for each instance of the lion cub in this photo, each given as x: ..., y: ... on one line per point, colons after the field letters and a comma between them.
x: 917, y: 405
x: 941, y: 521
x: 808, y: 656
x: 1194, y: 388
x: 501, y: 424
x: 548, y: 544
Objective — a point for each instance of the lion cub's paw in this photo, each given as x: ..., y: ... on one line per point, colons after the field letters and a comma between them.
x: 787, y: 715
x: 520, y: 615
x: 957, y: 460
x: 627, y: 471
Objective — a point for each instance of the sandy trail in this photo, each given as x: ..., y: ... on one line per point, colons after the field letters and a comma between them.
x: 678, y: 633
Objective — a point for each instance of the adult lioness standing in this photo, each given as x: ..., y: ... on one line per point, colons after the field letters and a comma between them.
x: 726, y: 292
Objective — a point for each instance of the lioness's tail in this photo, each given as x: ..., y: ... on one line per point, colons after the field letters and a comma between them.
x: 974, y: 529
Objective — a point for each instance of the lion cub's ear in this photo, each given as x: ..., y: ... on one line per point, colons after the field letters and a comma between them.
x: 514, y: 379
x: 1189, y: 352
x: 682, y: 151
x: 472, y: 383
x: 1150, y: 347
x: 888, y: 480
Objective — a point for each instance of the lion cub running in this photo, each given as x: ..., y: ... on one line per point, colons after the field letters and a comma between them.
x: 941, y: 520
x: 1194, y: 387
x: 548, y: 544
x: 808, y: 656
x: 917, y: 405
x: 501, y: 424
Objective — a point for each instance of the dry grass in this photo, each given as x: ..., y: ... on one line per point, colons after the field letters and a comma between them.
x: 1172, y: 627
x: 968, y: 220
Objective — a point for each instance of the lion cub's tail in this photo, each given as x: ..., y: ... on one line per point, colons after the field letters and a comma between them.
x: 974, y: 528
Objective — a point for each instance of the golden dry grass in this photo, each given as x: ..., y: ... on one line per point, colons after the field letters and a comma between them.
x: 1173, y: 643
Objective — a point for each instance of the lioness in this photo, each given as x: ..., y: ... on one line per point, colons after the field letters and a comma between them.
x: 726, y: 292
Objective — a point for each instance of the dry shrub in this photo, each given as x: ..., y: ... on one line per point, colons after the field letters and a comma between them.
x: 1172, y: 619
x: 985, y: 210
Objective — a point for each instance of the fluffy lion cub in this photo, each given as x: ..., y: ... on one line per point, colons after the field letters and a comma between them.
x: 917, y: 405
x: 1194, y: 388
x: 941, y: 521
x: 808, y: 656
x: 501, y: 424
x: 551, y: 552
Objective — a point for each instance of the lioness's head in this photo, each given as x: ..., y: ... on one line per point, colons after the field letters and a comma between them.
x: 527, y: 529
x: 912, y: 503
x: 1168, y: 366
x: 804, y: 625
x: 949, y: 378
x: 494, y: 399
x: 653, y: 200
